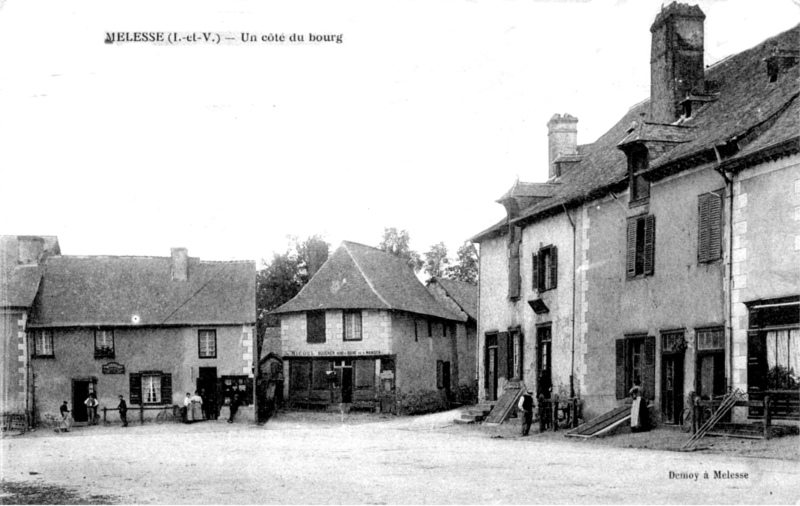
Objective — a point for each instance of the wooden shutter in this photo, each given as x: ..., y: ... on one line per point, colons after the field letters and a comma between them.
x: 135, y: 382
x: 315, y: 326
x: 553, y: 266
x: 756, y: 362
x: 621, y: 350
x: 703, y: 229
x: 630, y: 257
x: 535, y: 272
x: 649, y: 369
x: 439, y: 374
x: 649, y: 244
x: 510, y: 357
x: 513, y: 269
x: 166, y: 388
x: 715, y: 226
x: 502, y: 355
x: 521, y: 371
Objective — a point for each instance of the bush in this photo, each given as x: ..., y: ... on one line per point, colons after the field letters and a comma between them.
x: 468, y: 394
x: 421, y: 401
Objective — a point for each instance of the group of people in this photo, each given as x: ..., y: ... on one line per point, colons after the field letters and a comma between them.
x: 194, y: 410
x: 91, y: 404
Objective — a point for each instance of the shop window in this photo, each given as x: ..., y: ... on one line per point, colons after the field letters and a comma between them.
x: 150, y: 387
x: 241, y: 384
x: 103, y: 344
x: 365, y: 373
x: 319, y: 374
x: 641, y: 246
x: 315, y: 327
x: 352, y: 326
x: 635, y: 365
x: 299, y: 374
x: 545, y: 269
x: 709, y: 234
x: 207, y: 343
x: 43, y: 343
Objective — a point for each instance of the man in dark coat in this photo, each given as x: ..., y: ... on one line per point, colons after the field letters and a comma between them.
x: 123, y: 411
x: 235, y: 403
x: 526, y: 406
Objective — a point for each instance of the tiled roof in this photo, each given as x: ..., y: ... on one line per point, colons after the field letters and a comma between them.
x: 748, y: 109
x: 361, y: 277
x: 107, y: 290
x: 463, y: 293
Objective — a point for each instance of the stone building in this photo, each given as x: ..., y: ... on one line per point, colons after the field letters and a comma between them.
x: 148, y: 328
x: 665, y: 253
x: 364, y: 332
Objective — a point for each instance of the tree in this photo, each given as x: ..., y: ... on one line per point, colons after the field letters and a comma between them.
x: 436, y: 261
x: 397, y: 243
x: 466, y: 264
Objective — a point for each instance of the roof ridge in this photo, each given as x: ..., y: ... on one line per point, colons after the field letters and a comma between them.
x: 366, y: 278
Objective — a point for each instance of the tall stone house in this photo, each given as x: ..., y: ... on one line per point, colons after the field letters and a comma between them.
x: 665, y: 254
x: 366, y: 333
x: 148, y: 328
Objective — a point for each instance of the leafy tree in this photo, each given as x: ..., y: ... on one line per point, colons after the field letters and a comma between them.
x: 436, y: 261
x: 466, y: 264
x: 397, y: 243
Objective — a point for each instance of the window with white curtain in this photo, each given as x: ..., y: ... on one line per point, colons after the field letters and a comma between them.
x: 783, y: 358
x: 151, y: 388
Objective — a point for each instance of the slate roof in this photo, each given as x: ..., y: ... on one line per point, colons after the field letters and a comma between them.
x: 110, y: 290
x: 463, y: 293
x: 749, y: 110
x: 361, y: 277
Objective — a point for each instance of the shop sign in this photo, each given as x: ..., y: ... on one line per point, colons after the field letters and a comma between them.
x: 332, y: 353
x: 113, y: 368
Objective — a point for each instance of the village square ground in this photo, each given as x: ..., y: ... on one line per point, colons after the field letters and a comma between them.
x: 329, y: 458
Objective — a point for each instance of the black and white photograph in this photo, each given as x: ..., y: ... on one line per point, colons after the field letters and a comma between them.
x: 400, y: 252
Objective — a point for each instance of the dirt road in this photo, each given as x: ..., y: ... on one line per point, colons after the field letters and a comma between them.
x: 374, y: 460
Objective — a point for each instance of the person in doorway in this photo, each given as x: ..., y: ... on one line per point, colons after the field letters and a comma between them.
x: 91, y: 408
x: 197, y: 407
x: 639, y: 420
x: 187, y: 408
x: 123, y: 411
x: 526, y: 406
x: 65, y: 418
x: 235, y: 403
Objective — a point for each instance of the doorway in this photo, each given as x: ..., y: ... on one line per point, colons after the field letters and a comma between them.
x: 345, y: 368
x: 671, y: 387
x: 544, y: 368
x: 490, y: 367
x: 81, y: 388
x: 207, y: 386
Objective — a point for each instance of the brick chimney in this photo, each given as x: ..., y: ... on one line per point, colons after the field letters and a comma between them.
x: 562, y: 139
x: 30, y: 249
x: 676, y: 59
x: 180, y: 264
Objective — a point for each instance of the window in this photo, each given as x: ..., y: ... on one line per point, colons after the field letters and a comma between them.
x: 514, y: 242
x: 207, y: 343
x: 299, y: 375
x: 315, y: 327
x: 641, y: 246
x: 637, y: 165
x: 710, y: 362
x: 365, y: 373
x: 636, y: 365
x: 241, y: 384
x: 709, y: 235
x: 545, y: 269
x: 516, y: 355
x: 103, y: 344
x: 442, y: 374
x: 43, y: 343
x: 352, y: 326
x: 430, y: 328
x: 319, y: 374
x: 151, y: 387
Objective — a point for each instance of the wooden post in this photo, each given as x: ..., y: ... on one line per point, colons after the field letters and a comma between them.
x: 695, y: 414
x: 767, y: 416
x: 141, y: 413
x: 104, y: 415
x: 555, y: 413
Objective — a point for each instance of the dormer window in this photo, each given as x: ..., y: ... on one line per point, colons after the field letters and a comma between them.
x: 637, y: 165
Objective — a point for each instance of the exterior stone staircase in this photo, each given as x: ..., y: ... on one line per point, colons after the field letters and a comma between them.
x: 476, y: 414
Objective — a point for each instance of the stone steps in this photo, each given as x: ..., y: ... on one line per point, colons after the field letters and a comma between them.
x: 476, y: 414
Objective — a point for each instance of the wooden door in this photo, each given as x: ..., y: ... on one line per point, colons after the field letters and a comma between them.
x: 347, y: 384
x: 491, y: 373
x: 543, y: 365
x: 80, y: 391
x: 672, y: 388
x: 207, y: 386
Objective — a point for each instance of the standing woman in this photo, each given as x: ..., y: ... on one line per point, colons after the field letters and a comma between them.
x: 638, y: 410
x: 197, y: 407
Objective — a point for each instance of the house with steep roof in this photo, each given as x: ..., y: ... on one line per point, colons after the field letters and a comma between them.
x: 21, y: 269
x: 364, y: 332
x: 665, y: 253
x: 147, y: 328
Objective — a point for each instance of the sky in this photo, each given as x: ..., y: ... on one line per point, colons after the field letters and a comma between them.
x: 421, y: 118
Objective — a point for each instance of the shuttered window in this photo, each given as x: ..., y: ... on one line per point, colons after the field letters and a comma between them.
x: 641, y: 246
x: 299, y: 375
x: 365, y: 373
x: 636, y: 365
x: 545, y: 269
x: 709, y: 234
x: 150, y: 387
x: 315, y: 326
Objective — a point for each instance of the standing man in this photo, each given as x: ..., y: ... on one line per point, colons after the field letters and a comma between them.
x: 91, y: 408
x: 123, y: 411
x: 64, y: 426
x: 235, y: 402
x: 526, y: 406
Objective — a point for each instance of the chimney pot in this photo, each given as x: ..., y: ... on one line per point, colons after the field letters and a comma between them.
x: 180, y: 264
x: 562, y: 139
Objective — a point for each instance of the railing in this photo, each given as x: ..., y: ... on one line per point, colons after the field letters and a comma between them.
x: 549, y: 409
x: 174, y: 410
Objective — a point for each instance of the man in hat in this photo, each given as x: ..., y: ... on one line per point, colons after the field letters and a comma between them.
x: 526, y: 406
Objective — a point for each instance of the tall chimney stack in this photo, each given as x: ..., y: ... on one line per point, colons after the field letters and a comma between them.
x: 676, y: 59
x: 180, y: 264
x: 562, y: 139
x: 31, y: 249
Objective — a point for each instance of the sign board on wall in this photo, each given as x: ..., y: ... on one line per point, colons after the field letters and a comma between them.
x: 113, y: 368
x: 332, y: 353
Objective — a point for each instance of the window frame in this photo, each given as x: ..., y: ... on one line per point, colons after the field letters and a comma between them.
x: 626, y: 369
x: 638, y: 185
x: 316, y: 316
x: 137, y: 392
x: 640, y: 247
x: 104, y: 351
x: 200, y: 334
x: 345, y: 326
x: 544, y: 269
x: 47, y: 336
